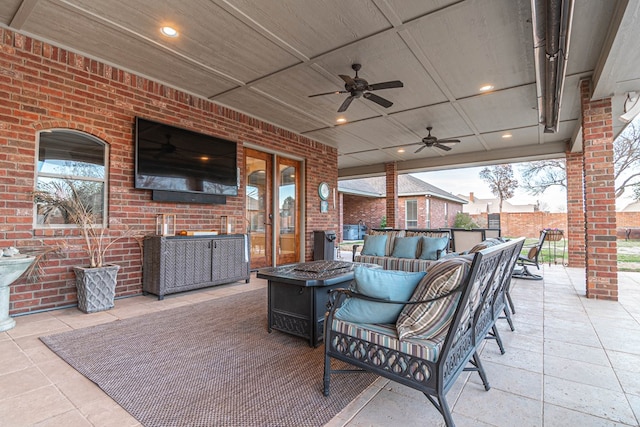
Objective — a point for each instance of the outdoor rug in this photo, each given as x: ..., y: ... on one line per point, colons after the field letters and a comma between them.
x: 208, y: 364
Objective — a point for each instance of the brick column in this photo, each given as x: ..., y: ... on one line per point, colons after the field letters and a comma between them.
x: 575, y: 210
x: 599, y: 196
x: 391, y: 170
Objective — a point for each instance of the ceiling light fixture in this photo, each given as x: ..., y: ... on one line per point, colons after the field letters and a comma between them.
x: 486, y: 88
x: 341, y: 120
x: 507, y: 136
x: 169, y: 31
x: 400, y: 150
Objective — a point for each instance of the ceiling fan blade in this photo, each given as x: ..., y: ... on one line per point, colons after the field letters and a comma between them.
x: 386, y: 85
x: 335, y: 92
x: 442, y: 147
x: 448, y: 141
x: 347, y: 79
x: 420, y: 149
x: 378, y: 100
x: 345, y: 104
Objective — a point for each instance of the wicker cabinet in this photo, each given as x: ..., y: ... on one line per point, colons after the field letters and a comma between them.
x: 181, y: 263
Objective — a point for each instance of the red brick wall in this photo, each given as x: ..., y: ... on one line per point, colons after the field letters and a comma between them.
x: 391, y: 170
x: 575, y: 210
x: 371, y: 211
x: 599, y: 196
x: 44, y: 87
x: 529, y: 224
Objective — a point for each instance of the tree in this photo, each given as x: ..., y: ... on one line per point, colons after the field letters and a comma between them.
x: 540, y: 175
x: 464, y: 220
x: 501, y: 181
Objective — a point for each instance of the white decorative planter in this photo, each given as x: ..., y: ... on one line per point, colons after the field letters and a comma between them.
x: 96, y: 287
x: 11, y: 268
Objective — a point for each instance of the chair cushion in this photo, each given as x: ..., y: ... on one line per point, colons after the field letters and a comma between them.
x: 383, y: 284
x: 433, y: 318
x: 374, y: 245
x: 385, y: 335
x: 431, y: 246
x: 406, y: 247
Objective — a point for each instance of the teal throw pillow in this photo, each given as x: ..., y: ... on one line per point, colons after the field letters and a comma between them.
x: 406, y: 247
x: 384, y: 284
x: 374, y: 245
x: 431, y: 246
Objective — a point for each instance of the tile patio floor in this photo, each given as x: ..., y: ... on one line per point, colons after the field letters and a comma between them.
x: 570, y: 362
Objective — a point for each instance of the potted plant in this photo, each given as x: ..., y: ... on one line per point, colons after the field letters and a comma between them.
x: 95, y: 282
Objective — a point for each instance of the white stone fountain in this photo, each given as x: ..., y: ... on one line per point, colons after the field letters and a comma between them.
x: 12, y: 265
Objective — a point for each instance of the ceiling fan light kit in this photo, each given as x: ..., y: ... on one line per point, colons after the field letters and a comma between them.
x: 358, y: 87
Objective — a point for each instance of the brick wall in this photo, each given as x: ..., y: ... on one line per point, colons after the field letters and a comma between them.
x: 599, y: 195
x: 529, y: 224
x: 371, y: 211
x: 43, y: 87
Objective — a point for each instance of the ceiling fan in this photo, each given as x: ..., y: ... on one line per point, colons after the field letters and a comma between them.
x: 358, y: 87
x: 432, y: 141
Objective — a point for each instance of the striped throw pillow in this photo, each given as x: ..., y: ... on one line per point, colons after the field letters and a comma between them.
x: 433, y: 318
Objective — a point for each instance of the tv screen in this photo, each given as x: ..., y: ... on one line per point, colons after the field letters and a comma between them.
x: 174, y: 159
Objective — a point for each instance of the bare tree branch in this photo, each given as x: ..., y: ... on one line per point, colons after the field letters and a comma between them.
x: 501, y: 181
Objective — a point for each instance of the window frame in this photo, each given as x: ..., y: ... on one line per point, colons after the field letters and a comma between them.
x: 406, y: 213
x: 104, y: 180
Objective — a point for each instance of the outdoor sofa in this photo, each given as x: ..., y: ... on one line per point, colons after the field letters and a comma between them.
x: 438, y: 330
x: 406, y: 250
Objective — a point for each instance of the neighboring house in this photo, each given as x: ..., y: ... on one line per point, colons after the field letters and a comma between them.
x: 420, y: 204
x: 475, y: 206
x: 632, y: 207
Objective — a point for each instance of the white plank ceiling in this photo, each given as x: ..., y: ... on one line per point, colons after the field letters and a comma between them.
x: 265, y: 57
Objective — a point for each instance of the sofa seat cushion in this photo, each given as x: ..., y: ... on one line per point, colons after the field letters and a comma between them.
x: 385, y: 335
x: 390, y: 263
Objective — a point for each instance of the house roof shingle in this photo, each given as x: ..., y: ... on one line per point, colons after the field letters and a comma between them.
x: 407, y: 186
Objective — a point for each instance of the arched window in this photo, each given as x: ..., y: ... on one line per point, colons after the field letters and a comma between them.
x: 71, y: 161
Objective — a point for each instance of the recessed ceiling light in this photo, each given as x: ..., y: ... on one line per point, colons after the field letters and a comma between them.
x: 486, y: 88
x: 400, y: 150
x: 341, y: 120
x: 169, y: 31
x: 507, y: 135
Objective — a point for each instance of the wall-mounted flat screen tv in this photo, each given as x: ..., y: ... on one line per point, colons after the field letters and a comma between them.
x: 169, y: 158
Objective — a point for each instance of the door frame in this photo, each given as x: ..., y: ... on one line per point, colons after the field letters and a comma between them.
x: 301, y: 227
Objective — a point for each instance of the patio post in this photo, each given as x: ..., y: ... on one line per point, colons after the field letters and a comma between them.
x: 391, y: 170
x: 575, y: 210
x: 599, y: 196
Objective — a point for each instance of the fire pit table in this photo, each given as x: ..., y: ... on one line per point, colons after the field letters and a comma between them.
x: 298, y: 295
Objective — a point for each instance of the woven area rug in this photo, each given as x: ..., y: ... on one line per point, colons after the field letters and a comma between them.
x: 208, y: 364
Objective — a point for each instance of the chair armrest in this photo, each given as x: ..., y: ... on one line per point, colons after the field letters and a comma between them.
x: 338, y: 295
x: 354, y: 250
